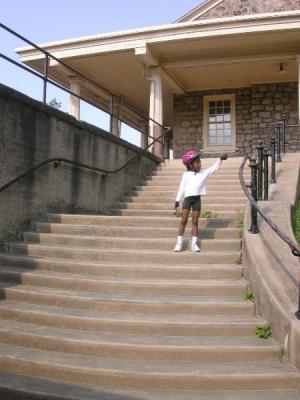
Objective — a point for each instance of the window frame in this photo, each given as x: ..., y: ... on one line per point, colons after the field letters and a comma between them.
x: 224, y: 147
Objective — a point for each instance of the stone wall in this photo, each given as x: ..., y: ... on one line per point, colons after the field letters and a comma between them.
x: 31, y: 132
x: 257, y: 108
x: 228, y: 8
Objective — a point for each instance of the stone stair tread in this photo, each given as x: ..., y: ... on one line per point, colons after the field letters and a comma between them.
x: 215, y: 342
x: 91, y: 230
x: 151, y: 212
x: 115, y: 250
x: 129, y: 298
x: 170, y: 199
x: 126, y: 218
x: 125, y: 269
x: 165, y: 202
x: 183, y: 319
x: 82, y: 237
x: 16, y: 258
x: 209, y: 395
x: 107, y: 280
x: 14, y: 386
x: 47, y: 224
x: 152, y: 367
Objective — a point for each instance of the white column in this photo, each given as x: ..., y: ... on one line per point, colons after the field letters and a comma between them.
x: 144, y: 135
x: 298, y: 62
x: 115, y: 123
x: 74, y: 102
x: 156, y: 110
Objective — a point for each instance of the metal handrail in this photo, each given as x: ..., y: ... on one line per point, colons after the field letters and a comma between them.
x: 75, y: 71
x: 293, y: 246
x: 58, y: 160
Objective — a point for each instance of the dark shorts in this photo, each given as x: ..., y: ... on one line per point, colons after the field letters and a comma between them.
x: 192, y: 202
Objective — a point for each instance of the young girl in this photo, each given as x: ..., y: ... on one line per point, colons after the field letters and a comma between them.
x: 192, y: 186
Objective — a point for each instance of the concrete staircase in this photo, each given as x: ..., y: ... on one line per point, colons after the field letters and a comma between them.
x: 99, y: 307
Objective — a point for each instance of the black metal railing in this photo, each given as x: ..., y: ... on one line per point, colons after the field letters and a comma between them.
x: 256, y: 209
x: 145, y: 121
x: 58, y: 160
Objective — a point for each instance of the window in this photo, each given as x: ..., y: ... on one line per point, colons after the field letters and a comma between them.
x: 219, y: 122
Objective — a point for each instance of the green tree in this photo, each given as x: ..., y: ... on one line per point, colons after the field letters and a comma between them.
x: 54, y: 103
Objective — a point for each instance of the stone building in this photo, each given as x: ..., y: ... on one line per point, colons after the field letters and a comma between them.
x: 220, y: 76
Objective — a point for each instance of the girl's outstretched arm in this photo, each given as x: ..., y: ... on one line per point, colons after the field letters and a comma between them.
x: 216, y: 165
x: 213, y: 168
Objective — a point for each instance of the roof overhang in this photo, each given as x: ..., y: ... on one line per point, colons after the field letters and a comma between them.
x: 197, y: 55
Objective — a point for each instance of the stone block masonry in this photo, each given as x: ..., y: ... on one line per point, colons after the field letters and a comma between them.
x: 31, y: 132
x: 229, y: 8
x: 257, y: 109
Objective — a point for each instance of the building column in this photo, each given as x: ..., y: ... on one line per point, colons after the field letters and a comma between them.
x: 115, y: 123
x: 156, y: 110
x: 167, y: 147
x: 145, y: 135
x: 74, y: 102
x: 298, y: 62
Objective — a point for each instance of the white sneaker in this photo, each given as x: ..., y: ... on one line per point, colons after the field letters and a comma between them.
x: 195, y: 248
x: 178, y: 247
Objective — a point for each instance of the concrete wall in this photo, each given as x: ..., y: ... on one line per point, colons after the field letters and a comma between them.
x: 31, y: 132
x: 228, y: 8
x: 257, y: 108
x: 270, y: 267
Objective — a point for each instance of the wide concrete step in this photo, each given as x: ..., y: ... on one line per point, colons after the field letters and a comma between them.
x: 219, y: 177
x: 26, y: 388
x: 133, y: 232
x: 266, y: 394
x: 134, y: 286
x: 217, y: 189
x: 127, y: 322
x: 205, y: 200
x: 135, y: 221
x: 119, y: 243
x: 121, y: 270
x: 172, y: 172
x: 145, y: 347
x: 131, y: 256
x: 213, y: 182
x: 169, y: 212
x: 155, y: 374
x: 212, y: 194
x: 137, y: 205
x: 158, y: 304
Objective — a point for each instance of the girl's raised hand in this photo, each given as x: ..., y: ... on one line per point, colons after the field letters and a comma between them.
x: 224, y: 157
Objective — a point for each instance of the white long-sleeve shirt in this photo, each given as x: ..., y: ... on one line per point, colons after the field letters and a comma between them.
x: 194, y: 184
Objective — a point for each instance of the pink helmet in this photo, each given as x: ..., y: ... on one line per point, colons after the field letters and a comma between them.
x: 189, y: 156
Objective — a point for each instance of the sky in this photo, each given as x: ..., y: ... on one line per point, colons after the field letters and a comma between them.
x: 46, y: 21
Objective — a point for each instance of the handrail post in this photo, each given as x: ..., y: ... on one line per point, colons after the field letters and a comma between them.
x: 278, y: 128
x: 260, y: 148
x: 284, y: 124
x: 46, y: 66
x: 266, y: 174
x: 253, y: 166
x: 273, y: 157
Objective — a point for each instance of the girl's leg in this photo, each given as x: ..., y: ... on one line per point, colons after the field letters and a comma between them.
x: 183, y: 222
x: 195, y: 217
